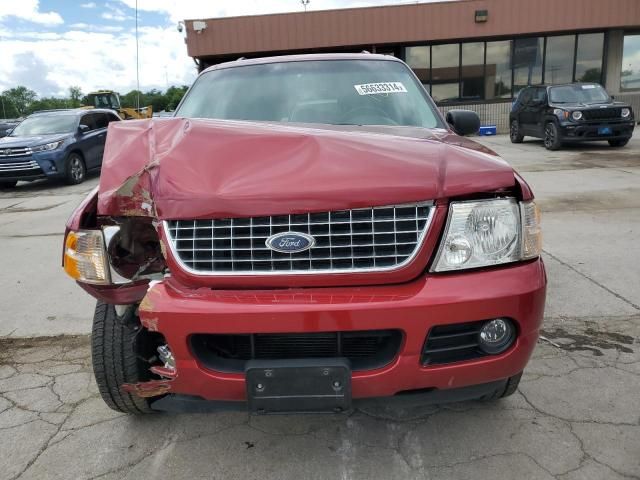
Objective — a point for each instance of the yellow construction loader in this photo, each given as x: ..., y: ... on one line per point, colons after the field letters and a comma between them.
x: 110, y: 99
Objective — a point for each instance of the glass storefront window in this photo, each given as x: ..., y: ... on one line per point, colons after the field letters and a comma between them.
x: 630, y: 75
x: 589, y: 57
x: 419, y: 59
x: 527, y: 62
x: 445, y: 72
x: 472, y: 73
x: 558, y: 67
x: 498, y: 70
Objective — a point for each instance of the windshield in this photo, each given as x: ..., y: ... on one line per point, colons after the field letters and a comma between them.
x: 338, y: 92
x: 582, y: 93
x: 46, y: 125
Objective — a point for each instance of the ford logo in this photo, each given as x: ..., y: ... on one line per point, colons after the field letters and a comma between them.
x: 290, y: 242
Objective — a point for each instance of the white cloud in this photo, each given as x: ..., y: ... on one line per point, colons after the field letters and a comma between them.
x: 28, y: 10
x: 95, y: 60
x: 88, y: 5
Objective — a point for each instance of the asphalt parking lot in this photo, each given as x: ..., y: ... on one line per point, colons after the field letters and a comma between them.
x: 576, y: 414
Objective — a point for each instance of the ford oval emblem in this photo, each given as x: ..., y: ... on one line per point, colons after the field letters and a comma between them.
x: 290, y: 242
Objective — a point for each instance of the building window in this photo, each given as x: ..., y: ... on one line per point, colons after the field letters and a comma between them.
x: 558, y: 67
x: 419, y: 59
x: 445, y: 72
x: 527, y: 62
x: 498, y: 70
x: 472, y: 73
x: 589, y: 57
x: 630, y: 75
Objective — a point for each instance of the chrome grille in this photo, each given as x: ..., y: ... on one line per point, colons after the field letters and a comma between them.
x: 15, y: 152
x: 24, y: 166
x: 368, y: 239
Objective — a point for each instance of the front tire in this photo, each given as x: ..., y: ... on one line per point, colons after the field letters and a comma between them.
x: 618, y: 143
x: 115, y: 361
x: 75, y: 170
x: 552, y: 137
x: 514, y: 132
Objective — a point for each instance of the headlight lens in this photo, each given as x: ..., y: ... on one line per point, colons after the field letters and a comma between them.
x: 489, y: 232
x: 577, y: 115
x: 47, y: 146
x: 85, y: 259
x: 625, y: 112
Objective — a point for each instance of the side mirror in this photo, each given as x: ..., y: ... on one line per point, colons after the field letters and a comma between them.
x: 463, y: 122
x: 8, y: 132
x: 83, y: 128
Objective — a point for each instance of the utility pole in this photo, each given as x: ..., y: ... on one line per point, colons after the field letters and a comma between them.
x: 4, y: 113
x: 137, y: 64
x: 305, y: 3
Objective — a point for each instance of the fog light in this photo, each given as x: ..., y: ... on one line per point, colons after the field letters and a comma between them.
x: 496, y: 335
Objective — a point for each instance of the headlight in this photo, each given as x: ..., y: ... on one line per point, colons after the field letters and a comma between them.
x: 625, y: 112
x: 577, y: 115
x: 47, y: 146
x: 489, y: 232
x: 85, y: 258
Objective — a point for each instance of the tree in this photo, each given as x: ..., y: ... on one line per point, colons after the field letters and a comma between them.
x: 75, y: 95
x: 20, y: 98
x: 174, y: 95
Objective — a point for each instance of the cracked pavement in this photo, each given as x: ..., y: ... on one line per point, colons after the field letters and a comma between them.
x: 576, y: 414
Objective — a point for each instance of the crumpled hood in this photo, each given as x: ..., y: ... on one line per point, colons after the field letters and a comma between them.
x: 184, y: 168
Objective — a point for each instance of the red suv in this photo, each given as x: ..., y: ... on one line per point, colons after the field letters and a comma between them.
x: 307, y: 234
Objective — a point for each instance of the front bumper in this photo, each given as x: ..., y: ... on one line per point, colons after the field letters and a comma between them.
x: 516, y: 291
x: 33, y: 167
x: 577, y: 132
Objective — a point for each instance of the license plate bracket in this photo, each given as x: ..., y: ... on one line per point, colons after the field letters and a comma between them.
x: 604, y: 131
x: 315, y: 385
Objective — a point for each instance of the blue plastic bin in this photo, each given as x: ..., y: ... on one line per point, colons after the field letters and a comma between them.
x: 486, y: 130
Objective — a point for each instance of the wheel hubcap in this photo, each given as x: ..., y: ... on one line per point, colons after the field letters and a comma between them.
x: 76, y: 168
x: 514, y: 130
x: 548, y: 136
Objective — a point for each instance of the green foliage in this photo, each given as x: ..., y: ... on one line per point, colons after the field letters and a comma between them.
x: 159, y: 101
x: 20, y: 101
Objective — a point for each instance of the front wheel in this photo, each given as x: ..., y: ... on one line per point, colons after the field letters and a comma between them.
x: 619, y: 143
x: 552, y: 137
x: 514, y: 132
x: 75, y: 170
x: 115, y: 361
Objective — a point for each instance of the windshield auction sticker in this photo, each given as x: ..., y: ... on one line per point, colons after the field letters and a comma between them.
x: 380, y: 88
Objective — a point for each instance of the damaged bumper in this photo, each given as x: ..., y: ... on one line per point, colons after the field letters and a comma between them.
x: 515, y: 292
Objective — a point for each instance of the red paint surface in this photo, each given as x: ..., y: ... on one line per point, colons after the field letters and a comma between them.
x: 184, y: 169
x: 516, y: 291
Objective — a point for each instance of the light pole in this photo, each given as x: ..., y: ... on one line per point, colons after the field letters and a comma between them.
x: 305, y: 3
x: 137, y: 64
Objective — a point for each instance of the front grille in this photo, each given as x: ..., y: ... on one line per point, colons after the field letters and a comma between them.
x: 22, y: 168
x: 452, y: 343
x: 602, y: 113
x: 366, y: 350
x: 15, y: 152
x: 378, y: 238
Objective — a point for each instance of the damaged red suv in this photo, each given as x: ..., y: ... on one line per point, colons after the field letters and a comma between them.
x: 308, y: 234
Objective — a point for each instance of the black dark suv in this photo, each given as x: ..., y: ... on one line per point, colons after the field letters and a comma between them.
x: 574, y: 112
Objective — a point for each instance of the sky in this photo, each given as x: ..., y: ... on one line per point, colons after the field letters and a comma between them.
x: 50, y: 45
